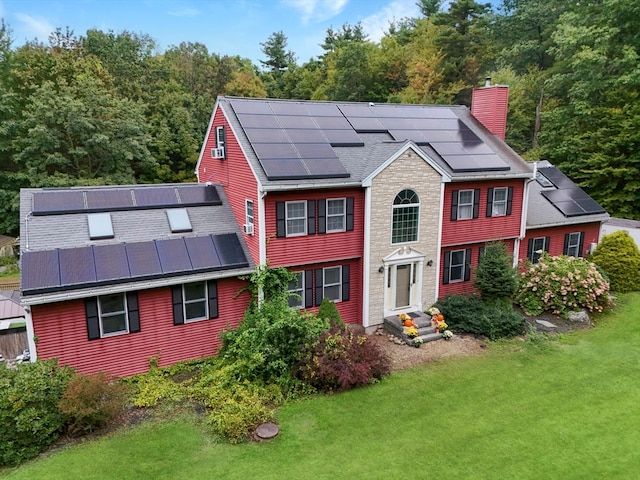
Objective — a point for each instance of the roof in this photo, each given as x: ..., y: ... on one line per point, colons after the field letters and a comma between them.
x: 623, y: 222
x: 555, y: 200
x: 84, y: 241
x: 307, y: 144
x: 10, y: 305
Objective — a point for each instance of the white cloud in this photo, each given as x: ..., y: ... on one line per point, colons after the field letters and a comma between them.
x: 376, y: 24
x: 35, y: 27
x: 185, y: 12
x: 316, y: 10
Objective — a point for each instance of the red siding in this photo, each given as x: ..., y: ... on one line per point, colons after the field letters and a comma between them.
x: 467, y: 287
x: 62, y: 332
x: 316, y: 248
x: 490, y: 105
x: 235, y: 175
x: 556, y: 234
x: 483, y: 228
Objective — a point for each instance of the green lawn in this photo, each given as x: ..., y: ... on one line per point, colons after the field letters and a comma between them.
x: 567, y: 409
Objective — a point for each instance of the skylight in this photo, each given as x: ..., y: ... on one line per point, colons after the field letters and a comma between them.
x: 100, y: 226
x: 179, y: 220
x: 542, y: 180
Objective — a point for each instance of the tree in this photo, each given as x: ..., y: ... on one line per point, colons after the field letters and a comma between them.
x: 619, y: 257
x: 277, y: 62
x: 428, y: 8
x: 495, y: 277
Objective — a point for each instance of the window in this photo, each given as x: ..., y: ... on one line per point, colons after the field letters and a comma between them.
x: 296, y: 218
x: 194, y: 301
x: 248, y: 212
x: 497, y: 202
x: 573, y: 244
x: 465, y: 204
x: 457, y: 266
x: 536, y: 246
x: 542, y: 180
x: 113, y: 314
x: 406, y: 217
x: 336, y: 215
x: 220, y: 137
x: 100, y: 226
x: 296, y: 290
x: 332, y: 283
x: 179, y: 220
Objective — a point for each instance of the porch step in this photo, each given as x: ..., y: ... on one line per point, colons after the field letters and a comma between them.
x: 426, y: 332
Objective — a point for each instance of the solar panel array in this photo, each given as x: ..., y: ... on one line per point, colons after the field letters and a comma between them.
x: 49, y: 202
x: 70, y: 268
x: 570, y: 199
x: 295, y: 139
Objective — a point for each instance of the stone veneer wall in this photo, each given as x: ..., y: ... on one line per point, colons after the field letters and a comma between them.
x: 407, y: 171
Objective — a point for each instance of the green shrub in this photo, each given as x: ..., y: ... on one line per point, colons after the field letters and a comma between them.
x: 268, y: 342
x: 90, y: 401
x: 30, y: 419
x: 560, y: 285
x: 619, y: 257
x: 469, y: 314
x: 329, y: 312
x: 342, y: 360
x: 495, y: 278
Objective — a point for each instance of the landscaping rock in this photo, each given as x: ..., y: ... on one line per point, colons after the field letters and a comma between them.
x: 267, y: 431
x: 581, y: 316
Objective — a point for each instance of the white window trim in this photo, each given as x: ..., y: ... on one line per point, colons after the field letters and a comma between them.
x: 462, y: 265
x: 401, y: 206
x: 219, y: 142
x: 343, y: 215
x: 534, y: 251
x: 338, y: 284
x: 502, y: 203
x: 286, y: 218
x: 249, y: 218
x: 298, y: 291
x: 575, y: 246
x: 469, y: 205
x: 198, y: 300
x: 111, y: 314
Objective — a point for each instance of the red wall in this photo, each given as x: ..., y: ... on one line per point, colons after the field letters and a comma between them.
x: 62, y: 332
x: 483, y: 228
x: 235, y: 175
x: 556, y: 244
x: 316, y: 248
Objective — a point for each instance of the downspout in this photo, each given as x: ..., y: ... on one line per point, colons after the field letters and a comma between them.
x: 366, y: 267
x: 31, y: 337
x: 439, y: 244
x: 523, y: 220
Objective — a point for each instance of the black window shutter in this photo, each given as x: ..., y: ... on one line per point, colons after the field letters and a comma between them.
x: 454, y: 206
x: 349, y: 214
x: 346, y: 282
x: 565, y: 249
x: 476, y: 203
x: 212, y: 297
x: 581, y: 244
x: 281, y: 227
x: 176, y: 299
x: 447, y: 265
x: 530, y: 249
x: 308, y: 288
x: 319, y: 286
x: 509, y: 200
x: 490, y: 202
x: 93, y: 322
x: 133, y: 312
x: 467, y: 264
x: 547, y: 241
x: 311, y: 217
x: 322, y: 216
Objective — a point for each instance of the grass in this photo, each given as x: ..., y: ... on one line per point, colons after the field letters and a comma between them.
x: 553, y: 409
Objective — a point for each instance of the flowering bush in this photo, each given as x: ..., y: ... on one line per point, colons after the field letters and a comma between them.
x: 447, y: 334
x: 417, y: 342
x: 442, y: 326
x: 560, y: 285
x: 412, y: 332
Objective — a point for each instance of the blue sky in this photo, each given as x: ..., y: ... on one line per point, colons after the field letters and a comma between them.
x: 231, y: 27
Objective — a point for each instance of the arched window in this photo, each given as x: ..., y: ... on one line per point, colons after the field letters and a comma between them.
x: 406, y: 215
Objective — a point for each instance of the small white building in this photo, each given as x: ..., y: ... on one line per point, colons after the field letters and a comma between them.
x: 615, y: 224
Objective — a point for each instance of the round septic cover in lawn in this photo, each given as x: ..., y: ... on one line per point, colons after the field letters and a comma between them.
x: 267, y: 431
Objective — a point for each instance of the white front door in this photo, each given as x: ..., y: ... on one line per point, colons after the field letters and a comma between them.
x: 403, y: 285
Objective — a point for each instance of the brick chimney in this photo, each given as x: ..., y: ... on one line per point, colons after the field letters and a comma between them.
x: 489, y: 105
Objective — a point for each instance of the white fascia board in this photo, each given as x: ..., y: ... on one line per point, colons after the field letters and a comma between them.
x: 206, y: 135
x: 407, y: 146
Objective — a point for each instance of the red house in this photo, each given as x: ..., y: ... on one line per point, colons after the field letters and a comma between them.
x: 381, y: 208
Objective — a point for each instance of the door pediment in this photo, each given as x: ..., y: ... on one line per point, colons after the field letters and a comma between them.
x: 403, y: 254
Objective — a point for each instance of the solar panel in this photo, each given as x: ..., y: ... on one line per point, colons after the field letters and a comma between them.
x: 58, y: 202
x: 111, y: 262
x: 323, y: 110
x: 287, y: 121
x: 250, y: 107
x: 40, y: 270
x: 266, y: 151
x: 109, y: 199
x: 413, y: 135
x: 454, y: 148
x: 199, y: 195
x: 202, y: 252
x: 363, y: 125
x: 356, y: 110
x: 325, y: 168
x: 343, y: 138
x: 173, y: 255
x: 474, y: 163
x: 76, y: 266
x: 556, y: 177
x: 143, y: 259
x: 589, y: 205
x: 439, y: 136
x: 284, y: 168
x: 258, y: 121
x: 288, y: 108
x: 316, y: 150
x: 306, y: 136
x: 333, y: 123
x: 155, y: 196
x: 267, y: 135
x: 229, y: 250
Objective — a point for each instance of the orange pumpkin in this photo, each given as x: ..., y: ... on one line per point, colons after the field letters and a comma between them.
x: 408, y: 323
x: 439, y: 317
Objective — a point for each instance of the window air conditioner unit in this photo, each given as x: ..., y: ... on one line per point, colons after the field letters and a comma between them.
x: 217, y: 152
x: 248, y: 228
